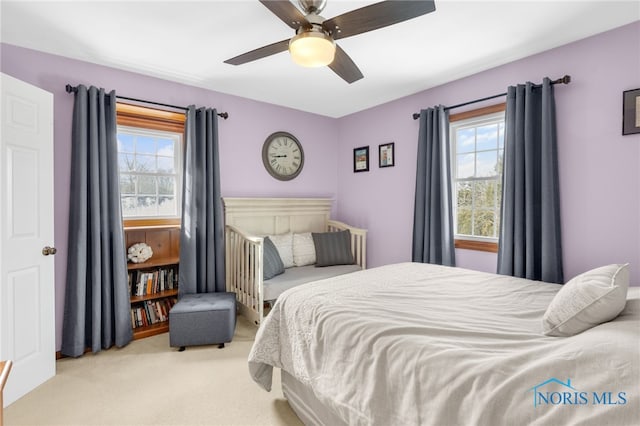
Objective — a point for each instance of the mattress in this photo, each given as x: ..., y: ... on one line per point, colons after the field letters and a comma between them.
x: 421, y: 344
x: 305, y: 404
x: 299, y: 275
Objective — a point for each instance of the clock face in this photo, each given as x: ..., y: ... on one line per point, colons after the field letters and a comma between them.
x: 282, y: 156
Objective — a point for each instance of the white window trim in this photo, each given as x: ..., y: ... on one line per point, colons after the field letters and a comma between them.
x: 178, y: 140
x: 472, y: 122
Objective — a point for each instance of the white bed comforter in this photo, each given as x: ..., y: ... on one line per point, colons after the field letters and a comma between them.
x: 417, y: 344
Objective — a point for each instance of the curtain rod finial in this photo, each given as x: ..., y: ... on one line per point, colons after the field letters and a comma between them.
x: 224, y: 115
x: 564, y: 80
x: 416, y: 115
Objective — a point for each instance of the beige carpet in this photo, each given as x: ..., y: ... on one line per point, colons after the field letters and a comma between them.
x: 149, y: 383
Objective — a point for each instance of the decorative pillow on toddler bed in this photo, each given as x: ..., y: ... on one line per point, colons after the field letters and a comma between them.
x: 333, y: 248
x: 284, y: 244
x: 271, y: 263
x: 587, y: 300
x: 304, y: 251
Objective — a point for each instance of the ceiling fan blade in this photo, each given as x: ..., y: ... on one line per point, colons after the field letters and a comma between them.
x: 287, y: 12
x: 259, y: 53
x: 377, y: 15
x: 344, y: 66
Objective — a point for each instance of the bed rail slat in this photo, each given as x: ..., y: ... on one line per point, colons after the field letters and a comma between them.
x: 244, y: 272
x: 244, y: 251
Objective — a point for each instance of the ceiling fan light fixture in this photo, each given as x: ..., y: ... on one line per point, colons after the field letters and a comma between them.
x: 312, y: 49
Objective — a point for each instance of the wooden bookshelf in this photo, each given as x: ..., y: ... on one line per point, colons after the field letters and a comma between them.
x: 150, y: 330
x: 150, y: 310
x: 153, y: 263
x: 154, y: 296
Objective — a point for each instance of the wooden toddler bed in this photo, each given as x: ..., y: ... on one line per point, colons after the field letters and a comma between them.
x: 249, y: 220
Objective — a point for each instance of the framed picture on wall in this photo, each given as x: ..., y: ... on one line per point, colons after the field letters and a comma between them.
x: 361, y: 159
x: 631, y: 112
x: 385, y: 155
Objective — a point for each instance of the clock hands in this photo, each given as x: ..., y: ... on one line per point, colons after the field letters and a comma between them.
x: 282, y: 156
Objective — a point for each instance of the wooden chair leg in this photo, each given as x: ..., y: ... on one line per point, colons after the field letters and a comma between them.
x: 5, y: 368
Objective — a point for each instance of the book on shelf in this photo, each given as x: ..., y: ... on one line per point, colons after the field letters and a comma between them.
x: 151, y: 312
x: 142, y: 283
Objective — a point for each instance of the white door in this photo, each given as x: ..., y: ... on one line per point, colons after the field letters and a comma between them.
x: 27, y: 330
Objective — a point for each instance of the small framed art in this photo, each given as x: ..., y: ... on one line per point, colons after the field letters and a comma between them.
x: 361, y: 159
x: 386, y: 155
x: 631, y: 112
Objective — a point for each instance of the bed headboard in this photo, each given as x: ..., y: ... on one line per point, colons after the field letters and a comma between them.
x: 270, y: 216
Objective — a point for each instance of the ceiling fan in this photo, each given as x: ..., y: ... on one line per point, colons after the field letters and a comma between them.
x: 314, y: 43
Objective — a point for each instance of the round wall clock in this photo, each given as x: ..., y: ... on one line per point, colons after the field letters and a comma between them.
x: 282, y: 156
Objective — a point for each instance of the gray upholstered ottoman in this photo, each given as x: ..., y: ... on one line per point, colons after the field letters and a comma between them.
x: 202, y: 319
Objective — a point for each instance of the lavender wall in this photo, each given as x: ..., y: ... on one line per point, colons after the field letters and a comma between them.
x: 599, y: 168
x: 241, y: 136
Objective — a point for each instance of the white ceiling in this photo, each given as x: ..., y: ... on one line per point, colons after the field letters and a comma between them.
x: 188, y: 42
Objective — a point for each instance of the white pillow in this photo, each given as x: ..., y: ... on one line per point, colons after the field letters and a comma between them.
x: 284, y: 245
x: 587, y: 300
x: 304, y: 250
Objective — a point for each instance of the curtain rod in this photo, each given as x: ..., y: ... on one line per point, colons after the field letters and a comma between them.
x: 73, y: 89
x: 564, y: 80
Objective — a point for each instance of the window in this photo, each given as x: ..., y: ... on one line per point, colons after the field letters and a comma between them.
x: 477, y: 141
x: 150, y: 165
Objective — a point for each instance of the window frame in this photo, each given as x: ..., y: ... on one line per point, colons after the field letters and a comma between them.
x: 145, y: 119
x: 487, y: 244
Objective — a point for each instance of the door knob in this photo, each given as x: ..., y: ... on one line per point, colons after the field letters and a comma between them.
x: 49, y: 250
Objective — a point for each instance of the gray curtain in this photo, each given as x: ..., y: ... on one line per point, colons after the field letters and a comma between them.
x: 530, y: 239
x: 202, y: 235
x: 433, y: 216
x: 97, y: 307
